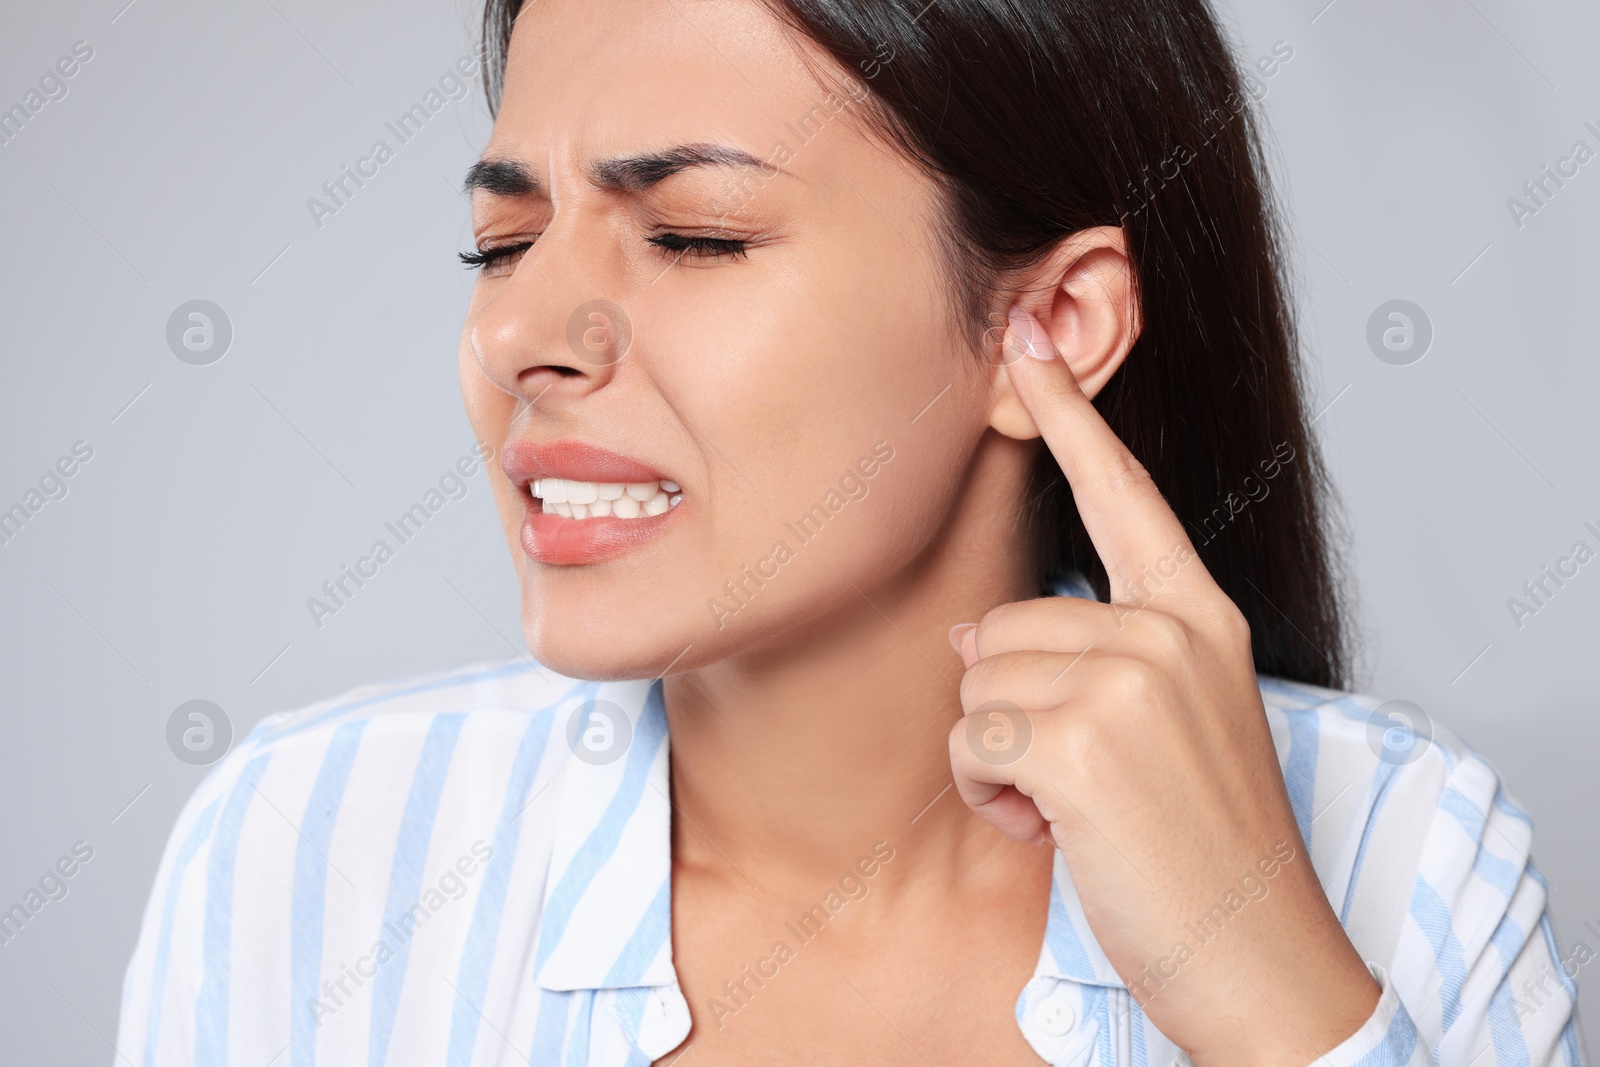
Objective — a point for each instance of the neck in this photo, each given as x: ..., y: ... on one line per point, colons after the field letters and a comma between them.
x: 792, y: 760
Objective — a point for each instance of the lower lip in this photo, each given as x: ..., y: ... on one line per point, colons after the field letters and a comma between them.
x: 558, y: 540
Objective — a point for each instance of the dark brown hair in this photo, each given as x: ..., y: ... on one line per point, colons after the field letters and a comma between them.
x: 1039, y: 118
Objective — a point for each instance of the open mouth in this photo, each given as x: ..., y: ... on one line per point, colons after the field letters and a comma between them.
x: 593, y: 500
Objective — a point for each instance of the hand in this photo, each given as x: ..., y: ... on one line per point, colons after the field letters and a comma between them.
x: 1132, y: 735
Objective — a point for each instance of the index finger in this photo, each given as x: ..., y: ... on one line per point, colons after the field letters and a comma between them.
x: 1138, y: 537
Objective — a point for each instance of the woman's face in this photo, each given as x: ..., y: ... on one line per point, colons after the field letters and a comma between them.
x: 803, y: 388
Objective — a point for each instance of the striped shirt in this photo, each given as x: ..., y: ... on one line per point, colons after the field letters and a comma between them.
x: 474, y: 867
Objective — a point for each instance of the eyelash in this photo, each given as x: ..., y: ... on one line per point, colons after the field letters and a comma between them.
x: 677, y: 245
x: 477, y: 259
x: 699, y: 247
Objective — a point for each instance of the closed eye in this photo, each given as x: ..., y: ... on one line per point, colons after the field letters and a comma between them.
x: 680, y: 245
x: 479, y: 258
x: 676, y: 245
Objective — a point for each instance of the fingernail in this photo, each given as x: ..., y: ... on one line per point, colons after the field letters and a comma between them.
x: 1029, y: 331
x: 957, y: 632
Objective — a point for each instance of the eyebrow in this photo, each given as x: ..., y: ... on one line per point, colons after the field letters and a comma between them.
x: 619, y: 174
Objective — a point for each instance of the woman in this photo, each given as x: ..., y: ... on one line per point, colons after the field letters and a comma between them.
x: 808, y: 333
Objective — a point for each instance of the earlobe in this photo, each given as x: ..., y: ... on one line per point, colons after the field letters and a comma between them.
x: 1084, y: 294
x: 1007, y: 414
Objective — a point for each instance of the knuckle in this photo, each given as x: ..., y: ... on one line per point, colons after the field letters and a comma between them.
x: 976, y: 683
x: 1235, y: 627
x: 1139, y: 683
x: 1123, y: 471
x: 1167, y: 634
x: 956, y: 740
x: 994, y: 621
x: 1078, y: 744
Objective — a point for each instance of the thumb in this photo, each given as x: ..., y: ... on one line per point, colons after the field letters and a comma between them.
x: 990, y: 789
x: 964, y: 639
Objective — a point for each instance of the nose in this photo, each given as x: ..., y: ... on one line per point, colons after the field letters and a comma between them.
x: 539, y: 334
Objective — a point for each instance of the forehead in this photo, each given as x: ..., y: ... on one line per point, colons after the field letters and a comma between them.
x: 602, y: 77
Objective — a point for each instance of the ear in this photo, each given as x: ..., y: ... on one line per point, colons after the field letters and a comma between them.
x: 1084, y: 294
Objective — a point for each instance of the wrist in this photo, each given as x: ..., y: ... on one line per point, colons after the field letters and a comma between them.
x: 1291, y: 1023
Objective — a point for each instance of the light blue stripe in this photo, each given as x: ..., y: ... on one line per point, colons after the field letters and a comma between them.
x: 311, y: 887
x: 550, y: 1029
x: 1397, y: 1045
x: 602, y: 840
x: 1072, y: 960
x: 655, y: 926
x: 1510, y: 1048
x: 1550, y: 945
x: 1432, y: 916
x: 169, y: 909
x: 1382, y: 778
x: 1352, y: 710
x: 477, y: 954
x: 628, y: 1005
x: 211, y: 1010
x: 1537, y: 875
x: 1569, y: 1037
x: 405, y: 874
x: 1569, y: 1044
x: 482, y: 675
x: 1136, y: 1025
x: 1505, y: 804
x: 1498, y: 872
x: 1454, y: 802
x: 1097, y: 1004
x: 1300, y: 769
x: 1495, y: 870
x: 578, y: 1044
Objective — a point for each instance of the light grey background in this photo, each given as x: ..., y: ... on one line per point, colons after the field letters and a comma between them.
x: 219, y: 498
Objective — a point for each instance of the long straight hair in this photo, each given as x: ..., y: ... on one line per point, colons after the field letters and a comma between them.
x: 1040, y: 118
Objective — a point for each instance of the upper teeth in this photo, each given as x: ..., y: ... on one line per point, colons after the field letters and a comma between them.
x: 623, y: 500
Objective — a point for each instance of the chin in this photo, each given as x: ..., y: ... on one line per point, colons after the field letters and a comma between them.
x: 599, y: 642
x: 587, y: 662
x: 579, y: 665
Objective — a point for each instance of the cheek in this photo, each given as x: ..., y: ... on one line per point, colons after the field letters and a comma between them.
x: 790, y: 377
x: 489, y: 410
x: 480, y: 395
x: 790, y: 395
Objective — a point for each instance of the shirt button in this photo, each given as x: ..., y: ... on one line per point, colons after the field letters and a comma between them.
x: 1055, y: 1015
